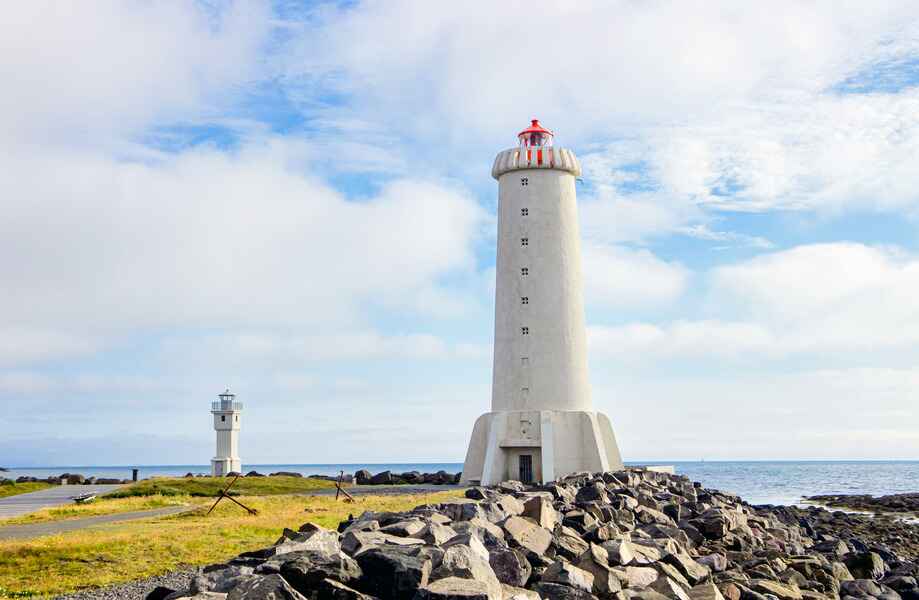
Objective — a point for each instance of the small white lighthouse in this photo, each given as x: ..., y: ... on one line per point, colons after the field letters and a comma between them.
x: 226, y: 424
x: 542, y: 425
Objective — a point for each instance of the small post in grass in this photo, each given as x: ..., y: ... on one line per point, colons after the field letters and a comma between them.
x: 223, y: 494
x: 340, y: 490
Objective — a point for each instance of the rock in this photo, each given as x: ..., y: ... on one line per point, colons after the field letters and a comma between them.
x: 567, y: 574
x: 866, y: 588
x: 510, y: 566
x: 730, y: 591
x: 669, y: 588
x: 476, y: 493
x: 435, y: 534
x: 75, y: 479
x: 780, y: 591
x: 393, y: 573
x: 866, y: 565
x: 311, y: 537
x: 555, y: 591
x: 330, y: 589
x: 595, y: 492
x: 472, y: 542
x: 716, y: 562
x: 269, y: 587
x: 159, y: 593
x: 527, y: 535
x: 404, y: 528
x: 637, y: 577
x: 357, y: 542
x: 305, y: 570
x: 286, y: 474
x: 596, y: 562
x: 688, y: 568
x: 362, y: 477
x: 569, y: 545
x: 620, y: 553
x: 706, y: 591
x: 516, y: 593
x: 220, y: 578
x: 541, y: 511
x: 254, y: 474
x: 383, y: 478
x: 460, y: 561
x: 456, y: 588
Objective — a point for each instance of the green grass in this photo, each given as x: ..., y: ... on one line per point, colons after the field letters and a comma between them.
x: 14, y: 489
x: 210, y: 486
x: 91, y: 558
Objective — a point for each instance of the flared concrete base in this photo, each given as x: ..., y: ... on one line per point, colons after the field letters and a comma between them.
x: 221, y: 466
x: 539, y: 445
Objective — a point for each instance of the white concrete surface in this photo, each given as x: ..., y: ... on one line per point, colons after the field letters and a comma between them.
x: 23, y: 504
x: 541, y: 402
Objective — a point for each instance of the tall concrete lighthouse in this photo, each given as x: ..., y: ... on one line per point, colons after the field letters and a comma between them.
x: 226, y: 424
x: 542, y: 425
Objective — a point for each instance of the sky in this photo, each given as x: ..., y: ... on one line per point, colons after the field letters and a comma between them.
x: 294, y: 200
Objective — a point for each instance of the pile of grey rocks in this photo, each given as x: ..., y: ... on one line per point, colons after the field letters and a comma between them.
x: 623, y: 535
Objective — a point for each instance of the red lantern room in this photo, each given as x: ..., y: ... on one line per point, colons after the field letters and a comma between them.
x: 535, y: 136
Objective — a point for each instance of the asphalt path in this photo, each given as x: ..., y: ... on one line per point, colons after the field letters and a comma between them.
x: 23, y: 504
x: 32, y: 530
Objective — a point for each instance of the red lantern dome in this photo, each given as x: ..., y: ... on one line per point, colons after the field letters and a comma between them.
x: 535, y: 136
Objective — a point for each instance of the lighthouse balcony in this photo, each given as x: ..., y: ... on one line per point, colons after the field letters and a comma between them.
x: 226, y: 406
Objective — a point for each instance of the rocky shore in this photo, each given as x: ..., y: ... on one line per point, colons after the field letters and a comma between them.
x: 624, y: 535
x: 905, y: 504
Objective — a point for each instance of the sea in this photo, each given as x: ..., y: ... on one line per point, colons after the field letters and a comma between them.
x: 757, y: 482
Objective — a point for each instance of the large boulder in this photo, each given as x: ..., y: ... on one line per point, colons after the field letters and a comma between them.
x: 457, y: 588
x: 866, y: 565
x: 264, y: 587
x: 567, y: 574
x: 526, y: 534
x: 305, y: 570
x: 511, y: 566
x: 557, y: 591
x: 362, y: 477
x: 463, y: 562
x: 382, y: 478
x: 394, y: 573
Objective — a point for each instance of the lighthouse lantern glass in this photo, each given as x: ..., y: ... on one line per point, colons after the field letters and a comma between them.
x: 535, y: 136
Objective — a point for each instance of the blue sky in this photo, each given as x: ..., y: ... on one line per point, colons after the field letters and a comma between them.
x: 295, y: 200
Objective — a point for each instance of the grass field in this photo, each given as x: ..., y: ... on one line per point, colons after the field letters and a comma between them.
x: 209, y: 486
x: 14, y: 489
x: 130, y: 550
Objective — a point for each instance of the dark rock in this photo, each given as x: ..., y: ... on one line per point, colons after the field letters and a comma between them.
x: 362, y: 477
x: 286, y: 474
x: 866, y: 588
x: 305, y: 570
x: 159, y: 593
x: 271, y: 587
x: 329, y: 589
x: 555, y: 591
x: 525, y: 534
x: 392, y: 573
x: 254, y: 474
x: 383, y: 478
x: 510, y: 566
x: 865, y: 565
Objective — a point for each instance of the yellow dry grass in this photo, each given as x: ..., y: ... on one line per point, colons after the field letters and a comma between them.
x: 129, y: 550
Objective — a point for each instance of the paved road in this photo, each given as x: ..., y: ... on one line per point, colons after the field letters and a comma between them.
x: 11, y: 532
x: 23, y: 504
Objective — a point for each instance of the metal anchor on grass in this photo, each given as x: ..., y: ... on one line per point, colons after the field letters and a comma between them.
x: 223, y: 494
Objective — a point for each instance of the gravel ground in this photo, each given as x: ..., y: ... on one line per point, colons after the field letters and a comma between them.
x: 135, y: 590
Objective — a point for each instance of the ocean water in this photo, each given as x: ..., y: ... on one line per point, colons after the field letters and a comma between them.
x: 758, y: 482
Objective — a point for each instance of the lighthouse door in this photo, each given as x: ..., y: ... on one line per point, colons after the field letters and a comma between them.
x: 526, y: 468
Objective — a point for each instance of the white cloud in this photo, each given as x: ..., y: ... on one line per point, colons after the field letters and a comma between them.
x: 207, y: 238
x: 617, y: 277
x: 816, y: 300
x: 88, y: 73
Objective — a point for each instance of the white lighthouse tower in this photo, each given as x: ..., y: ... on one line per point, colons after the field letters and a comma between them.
x: 226, y: 424
x: 542, y: 425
